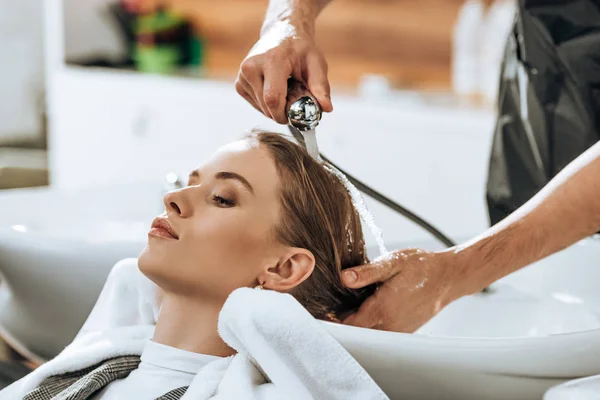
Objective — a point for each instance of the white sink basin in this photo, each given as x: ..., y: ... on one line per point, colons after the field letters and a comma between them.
x: 537, y: 328
x: 507, y: 312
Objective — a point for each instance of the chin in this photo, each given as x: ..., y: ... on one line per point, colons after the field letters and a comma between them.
x: 158, y: 266
x: 150, y: 263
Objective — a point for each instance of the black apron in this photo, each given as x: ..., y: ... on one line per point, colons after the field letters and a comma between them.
x: 549, y: 99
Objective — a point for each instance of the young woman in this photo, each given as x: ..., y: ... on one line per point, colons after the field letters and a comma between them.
x: 260, y: 213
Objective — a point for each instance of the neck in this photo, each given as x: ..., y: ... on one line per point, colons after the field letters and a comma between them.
x: 190, y: 324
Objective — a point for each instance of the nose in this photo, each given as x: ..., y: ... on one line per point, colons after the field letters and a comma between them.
x: 178, y: 201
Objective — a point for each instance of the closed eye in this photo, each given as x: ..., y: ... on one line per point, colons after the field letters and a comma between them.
x: 223, y: 202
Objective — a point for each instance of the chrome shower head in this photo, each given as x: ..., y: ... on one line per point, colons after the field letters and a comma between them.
x: 304, y: 114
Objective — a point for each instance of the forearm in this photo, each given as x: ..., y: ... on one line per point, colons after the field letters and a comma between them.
x: 299, y: 13
x: 564, y: 212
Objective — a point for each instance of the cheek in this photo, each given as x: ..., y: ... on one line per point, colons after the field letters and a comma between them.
x: 225, y: 252
x: 230, y: 240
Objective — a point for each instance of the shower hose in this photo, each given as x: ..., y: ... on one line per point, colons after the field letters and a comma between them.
x: 386, y: 201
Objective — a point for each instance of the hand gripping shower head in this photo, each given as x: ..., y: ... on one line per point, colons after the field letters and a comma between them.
x: 303, y: 115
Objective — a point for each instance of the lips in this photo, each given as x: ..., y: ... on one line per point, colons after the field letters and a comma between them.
x: 161, y: 227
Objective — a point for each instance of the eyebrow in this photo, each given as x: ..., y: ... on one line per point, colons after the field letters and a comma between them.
x: 232, y: 175
x: 225, y: 175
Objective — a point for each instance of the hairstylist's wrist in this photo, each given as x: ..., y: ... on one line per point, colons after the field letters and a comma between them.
x: 288, y: 27
x: 460, y: 273
x: 299, y: 18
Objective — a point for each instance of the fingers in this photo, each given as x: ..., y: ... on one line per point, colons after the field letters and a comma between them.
x: 243, y: 88
x: 264, y: 75
x: 317, y: 81
x: 252, y: 72
x: 275, y: 92
x: 365, y: 275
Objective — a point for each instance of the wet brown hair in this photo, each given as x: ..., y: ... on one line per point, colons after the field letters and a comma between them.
x: 317, y: 214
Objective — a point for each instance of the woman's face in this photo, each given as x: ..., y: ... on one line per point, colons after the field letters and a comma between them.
x: 221, y: 226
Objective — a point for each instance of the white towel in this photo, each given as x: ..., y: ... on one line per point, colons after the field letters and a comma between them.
x: 127, y: 298
x: 283, y: 352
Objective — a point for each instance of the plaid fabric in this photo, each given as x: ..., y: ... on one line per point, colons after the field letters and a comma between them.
x: 82, y: 384
x: 174, y: 394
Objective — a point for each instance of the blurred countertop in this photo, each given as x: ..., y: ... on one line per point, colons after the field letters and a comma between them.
x: 23, y: 167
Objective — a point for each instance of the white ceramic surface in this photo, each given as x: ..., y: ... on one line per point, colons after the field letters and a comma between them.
x: 578, y: 389
x: 504, y: 345
x: 57, y: 247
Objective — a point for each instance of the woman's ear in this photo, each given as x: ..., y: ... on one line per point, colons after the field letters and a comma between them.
x: 292, y: 269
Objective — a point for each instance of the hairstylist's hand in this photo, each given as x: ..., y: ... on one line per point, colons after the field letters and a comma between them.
x: 282, y: 52
x: 414, y: 287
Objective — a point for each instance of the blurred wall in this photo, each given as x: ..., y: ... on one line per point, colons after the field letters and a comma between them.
x: 21, y: 71
x: 127, y: 128
x: 90, y: 31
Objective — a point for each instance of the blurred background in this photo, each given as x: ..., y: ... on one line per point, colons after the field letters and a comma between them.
x: 408, y: 42
x: 404, y: 51
x: 108, y: 91
x: 131, y: 93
